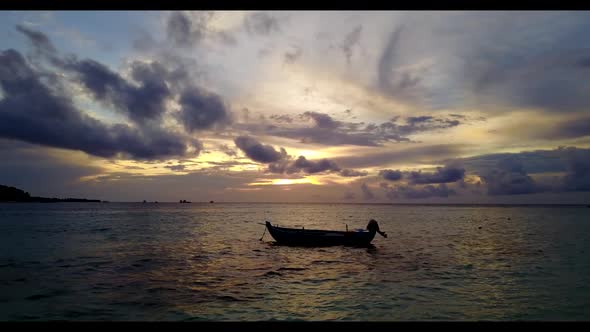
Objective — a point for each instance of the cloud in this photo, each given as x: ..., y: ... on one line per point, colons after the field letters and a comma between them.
x: 178, y: 168
x: 326, y: 130
x: 509, y: 178
x: 282, y: 163
x: 292, y: 56
x: 552, y: 81
x: 322, y: 120
x: 228, y: 150
x: 179, y: 29
x: 201, y: 110
x: 40, y: 172
x: 352, y: 173
x: 571, y: 128
x: 390, y: 175
x: 257, y: 151
x: 351, y: 39
x: 283, y: 118
x: 367, y: 193
x: 140, y: 103
x: 539, y: 161
x: 413, y: 154
x: 144, y: 99
x: 403, y: 84
x: 289, y: 166
x: 412, y: 192
x: 32, y: 112
x: 39, y: 40
x: 311, y: 167
x: 578, y: 169
x: 509, y: 173
x: 442, y: 175
x: 187, y: 31
x: 261, y: 23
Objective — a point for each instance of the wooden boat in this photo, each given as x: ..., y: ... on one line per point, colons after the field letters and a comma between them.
x: 312, y: 237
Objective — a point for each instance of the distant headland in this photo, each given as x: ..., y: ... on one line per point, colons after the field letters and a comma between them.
x: 12, y: 194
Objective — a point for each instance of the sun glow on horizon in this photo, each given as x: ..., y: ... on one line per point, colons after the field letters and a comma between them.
x: 283, y: 182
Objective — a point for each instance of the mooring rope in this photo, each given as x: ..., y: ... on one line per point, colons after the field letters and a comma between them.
x: 263, y: 233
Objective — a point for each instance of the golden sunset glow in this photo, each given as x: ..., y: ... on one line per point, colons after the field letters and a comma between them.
x: 284, y: 182
x: 366, y: 107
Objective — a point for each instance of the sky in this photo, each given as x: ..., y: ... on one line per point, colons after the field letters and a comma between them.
x: 303, y: 106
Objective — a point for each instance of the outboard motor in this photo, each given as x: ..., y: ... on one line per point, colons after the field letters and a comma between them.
x: 374, y: 226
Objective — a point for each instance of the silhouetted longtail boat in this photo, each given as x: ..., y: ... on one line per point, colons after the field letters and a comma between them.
x: 313, y: 237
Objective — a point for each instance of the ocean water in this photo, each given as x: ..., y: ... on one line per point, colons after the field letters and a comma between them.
x: 168, y: 261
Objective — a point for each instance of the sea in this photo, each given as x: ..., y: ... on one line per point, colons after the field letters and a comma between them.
x: 215, y: 262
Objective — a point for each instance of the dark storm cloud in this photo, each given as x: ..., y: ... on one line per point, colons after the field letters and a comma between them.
x: 31, y: 112
x: 144, y: 99
x: 367, y: 193
x: 391, y: 175
x: 445, y: 174
x: 508, y: 173
x: 351, y: 39
x: 201, y: 110
x: 140, y: 103
x: 578, y: 169
x: 442, y: 175
x: 311, y: 167
x: 257, y: 151
x: 261, y: 23
x: 509, y: 178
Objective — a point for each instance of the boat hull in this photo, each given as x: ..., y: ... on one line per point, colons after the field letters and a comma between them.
x: 317, y: 238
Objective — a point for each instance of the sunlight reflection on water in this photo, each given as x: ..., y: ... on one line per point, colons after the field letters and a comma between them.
x: 201, y: 261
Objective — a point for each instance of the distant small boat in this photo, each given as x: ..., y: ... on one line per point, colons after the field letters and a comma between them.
x: 312, y: 237
x: 211, y: 202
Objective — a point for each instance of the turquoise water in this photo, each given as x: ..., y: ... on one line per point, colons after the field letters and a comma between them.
x: 168, y: 261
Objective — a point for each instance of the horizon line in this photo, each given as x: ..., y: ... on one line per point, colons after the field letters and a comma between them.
x: 364, y: 203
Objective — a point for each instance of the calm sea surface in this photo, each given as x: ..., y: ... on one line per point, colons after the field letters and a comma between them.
x: 118, y: 261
